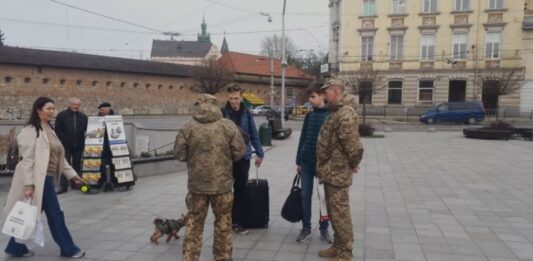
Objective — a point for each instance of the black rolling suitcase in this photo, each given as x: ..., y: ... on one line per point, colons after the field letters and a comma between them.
x: 257, y: 203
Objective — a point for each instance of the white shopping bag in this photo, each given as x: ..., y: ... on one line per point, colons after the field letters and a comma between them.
x: 322, y: 202
x: 20, y: 223
x: 36, y: 239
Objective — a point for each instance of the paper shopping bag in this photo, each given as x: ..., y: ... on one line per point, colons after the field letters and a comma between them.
x: 21, y: 220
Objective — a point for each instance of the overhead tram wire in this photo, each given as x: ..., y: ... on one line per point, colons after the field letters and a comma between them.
x: 109, y: 17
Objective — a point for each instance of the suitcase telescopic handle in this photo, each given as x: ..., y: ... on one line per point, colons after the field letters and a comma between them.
x: 256, y: 175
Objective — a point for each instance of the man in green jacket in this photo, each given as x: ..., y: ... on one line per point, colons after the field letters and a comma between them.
x: 339, y: 152
x: 209, y: 144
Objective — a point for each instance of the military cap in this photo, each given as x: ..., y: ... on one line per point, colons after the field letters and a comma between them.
x: 207, y: 99
x: 331, y: 82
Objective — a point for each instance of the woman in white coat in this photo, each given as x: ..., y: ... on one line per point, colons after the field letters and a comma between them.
x: 43, y: 162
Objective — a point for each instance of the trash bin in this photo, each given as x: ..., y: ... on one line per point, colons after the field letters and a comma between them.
x: 265, y: 135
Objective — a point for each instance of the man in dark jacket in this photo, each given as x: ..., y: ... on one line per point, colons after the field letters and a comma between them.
x: 236, y: 111
x: 70, y: 127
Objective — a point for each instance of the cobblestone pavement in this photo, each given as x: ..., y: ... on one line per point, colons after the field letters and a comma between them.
x: 418, y: 196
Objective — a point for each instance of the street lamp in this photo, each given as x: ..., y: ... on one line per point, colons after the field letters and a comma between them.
x: 283, y: 63
x: 271, y: 64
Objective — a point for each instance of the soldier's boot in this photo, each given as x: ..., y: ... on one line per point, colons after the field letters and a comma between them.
x: 328, y: 252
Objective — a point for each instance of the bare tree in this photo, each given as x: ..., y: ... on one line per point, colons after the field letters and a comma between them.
x: 310, y: 62
x: 499, y: 81
x: 2, y: 38
x: 271, y: 47
x: 211, y: 76
x: 364, y: 84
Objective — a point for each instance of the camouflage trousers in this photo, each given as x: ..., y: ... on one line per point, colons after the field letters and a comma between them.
x: 197, y: 205
x: 338, y: 205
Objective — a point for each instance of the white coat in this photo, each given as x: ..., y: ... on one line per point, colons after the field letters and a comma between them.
x: 31, y: 170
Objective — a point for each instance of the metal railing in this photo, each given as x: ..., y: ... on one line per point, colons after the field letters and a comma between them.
x: 404, y: 112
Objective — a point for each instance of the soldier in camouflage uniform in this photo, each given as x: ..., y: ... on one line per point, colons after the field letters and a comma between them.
x: 339, y: 152
x: 209, y: 144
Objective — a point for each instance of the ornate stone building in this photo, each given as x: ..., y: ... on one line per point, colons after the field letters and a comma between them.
x: 428, y: 51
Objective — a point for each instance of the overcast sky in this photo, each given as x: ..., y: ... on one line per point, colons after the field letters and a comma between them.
x: 50, y: 25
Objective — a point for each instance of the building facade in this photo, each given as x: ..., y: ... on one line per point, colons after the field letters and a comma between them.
x: 185, y: 52
x: 526, y: 93
x: 429, y: 51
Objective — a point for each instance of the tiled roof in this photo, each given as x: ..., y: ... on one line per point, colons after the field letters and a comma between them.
x: 242, y: 63
x: 165, y: 48
x: 36, y: 57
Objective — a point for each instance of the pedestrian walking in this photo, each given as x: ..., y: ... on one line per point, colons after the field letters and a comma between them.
x: 43, y: 161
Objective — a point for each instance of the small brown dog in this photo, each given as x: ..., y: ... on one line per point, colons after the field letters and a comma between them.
x: 168, y: 227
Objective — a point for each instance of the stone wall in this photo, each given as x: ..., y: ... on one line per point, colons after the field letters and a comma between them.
x: 129, y: 93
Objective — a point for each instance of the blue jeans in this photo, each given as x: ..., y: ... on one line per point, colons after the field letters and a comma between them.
x: 307, y: 179
x: 56, y: 222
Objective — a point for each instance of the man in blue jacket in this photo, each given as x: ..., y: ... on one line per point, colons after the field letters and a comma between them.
x: 239, y: 114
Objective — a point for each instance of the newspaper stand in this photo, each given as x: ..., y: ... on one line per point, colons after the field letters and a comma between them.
x: 119, y: 173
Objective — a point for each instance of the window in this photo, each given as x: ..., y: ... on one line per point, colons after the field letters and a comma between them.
x: 46, y: 80
x: 8, y: 79
x: 396, y: 47
x: 395, y: 92
x: 425, y: 92
x: 367, y: 48
x: 62, y: 81
x: 462, y: 5
x: 94, y: 83
x: 496, y: 4
x: 492, y: 45
x: 122, y: 84
x: 27, y: 80
x: 398, y: 6
x: 369, y: 7
x: 78, y: 82
x: 135, y: 85
x: 460, y: 42
x: 108, y: 84
x: 365, y: 92
x: 429, y: 6
x: 427, y: 44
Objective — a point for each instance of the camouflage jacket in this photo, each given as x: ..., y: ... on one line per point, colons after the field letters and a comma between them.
x: 209, y: 144
x: 339, y: 149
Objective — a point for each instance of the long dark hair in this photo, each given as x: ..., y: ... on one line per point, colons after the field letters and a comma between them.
x: 34, y: 119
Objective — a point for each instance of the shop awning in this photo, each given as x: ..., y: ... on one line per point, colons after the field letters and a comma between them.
x: 252, y: 99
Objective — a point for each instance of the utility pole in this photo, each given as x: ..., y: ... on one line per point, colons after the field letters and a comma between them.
x: 283, y: 63
x: 272, y: 80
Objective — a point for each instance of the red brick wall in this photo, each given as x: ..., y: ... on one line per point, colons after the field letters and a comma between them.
x: 128, y: 93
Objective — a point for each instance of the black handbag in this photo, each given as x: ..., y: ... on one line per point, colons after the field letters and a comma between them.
x: 292, y: 209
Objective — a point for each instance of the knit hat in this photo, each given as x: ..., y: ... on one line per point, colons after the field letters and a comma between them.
x: 104, y: 105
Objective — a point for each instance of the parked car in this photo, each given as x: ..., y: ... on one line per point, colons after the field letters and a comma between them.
x: 260, y: 110
x: 468, y: 112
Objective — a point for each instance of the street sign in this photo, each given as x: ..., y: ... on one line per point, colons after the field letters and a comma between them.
x: 324, y: 68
